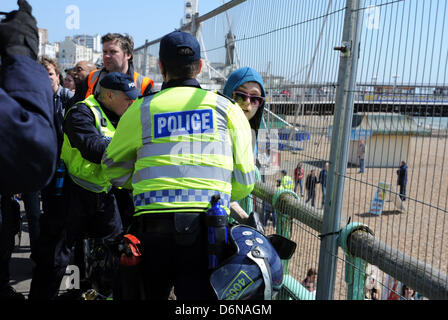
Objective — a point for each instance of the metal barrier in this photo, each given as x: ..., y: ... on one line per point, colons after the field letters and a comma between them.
x: 359, y: 242
x: 321, y: 62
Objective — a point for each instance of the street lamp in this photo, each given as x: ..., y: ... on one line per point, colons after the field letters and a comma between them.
x: 395, y: 76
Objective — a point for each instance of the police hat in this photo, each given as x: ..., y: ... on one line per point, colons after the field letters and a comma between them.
x: 121, y: 82
x: 175, y: 40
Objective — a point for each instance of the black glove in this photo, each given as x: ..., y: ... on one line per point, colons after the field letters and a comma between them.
x: 18, y: 32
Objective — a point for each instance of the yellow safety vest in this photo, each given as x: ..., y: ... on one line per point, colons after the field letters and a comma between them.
x: 287, y: 183
x: 179, y: 147
x: 87, y: 174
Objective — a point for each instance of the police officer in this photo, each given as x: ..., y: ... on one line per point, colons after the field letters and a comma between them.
x: 90, y: 209
x: 287, y: 181
x: 118, y: 56
x: 176, y: 149
x: 28, y: 149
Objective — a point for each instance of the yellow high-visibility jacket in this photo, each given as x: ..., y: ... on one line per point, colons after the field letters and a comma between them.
x: 178, y: 147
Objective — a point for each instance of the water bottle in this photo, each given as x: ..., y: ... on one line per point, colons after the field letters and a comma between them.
x: 60, y: 173
x: 216, y: 231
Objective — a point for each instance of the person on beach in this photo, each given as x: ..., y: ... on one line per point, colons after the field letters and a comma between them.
x: 402, y: 180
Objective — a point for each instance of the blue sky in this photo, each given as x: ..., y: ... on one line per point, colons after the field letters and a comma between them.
x: 406, y: 42
x: 142, y: 19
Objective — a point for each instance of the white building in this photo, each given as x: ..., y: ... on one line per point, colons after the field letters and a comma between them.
x: 48, y: 50
x: 45, y: 48
x: 387, y: 138
x: 92, y: 42
x: 70, y: 53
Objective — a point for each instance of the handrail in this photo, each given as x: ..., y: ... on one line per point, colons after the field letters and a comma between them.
x: 422, y: 277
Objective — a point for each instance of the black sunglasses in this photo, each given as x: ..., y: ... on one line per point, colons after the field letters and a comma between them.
x: 239, y: 96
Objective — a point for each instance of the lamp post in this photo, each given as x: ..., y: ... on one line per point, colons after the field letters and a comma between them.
x: 395, y: 76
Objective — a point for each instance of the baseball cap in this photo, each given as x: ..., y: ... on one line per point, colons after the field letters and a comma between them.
x: 171, y: 42
x: 122, y: 82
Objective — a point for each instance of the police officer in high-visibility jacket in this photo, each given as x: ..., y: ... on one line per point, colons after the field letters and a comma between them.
x: 287, y: 182
x: 90, y: 209
x: 175, y: 149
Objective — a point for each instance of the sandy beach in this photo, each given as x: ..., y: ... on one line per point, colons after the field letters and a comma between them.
x: 418, y: 231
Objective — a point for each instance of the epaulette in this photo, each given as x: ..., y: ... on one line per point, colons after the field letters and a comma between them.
x: 147, y: 94
x: 223, y: 95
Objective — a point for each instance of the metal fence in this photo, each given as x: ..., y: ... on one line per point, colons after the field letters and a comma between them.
x: 338, y: 72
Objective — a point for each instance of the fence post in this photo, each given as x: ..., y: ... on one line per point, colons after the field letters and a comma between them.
x: 284, y: 221
x: 145, y: 58
x: 355, y: 267
x: 342, y: 123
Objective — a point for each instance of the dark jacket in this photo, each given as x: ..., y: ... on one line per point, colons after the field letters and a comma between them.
x: 181, y: 83
x: 402, y: 173
x: 310, y: 183
x: 80, y: 94
x: 61, y: 99
x: 80, y: 128
x: 27, y: 131
x: 323, y: 177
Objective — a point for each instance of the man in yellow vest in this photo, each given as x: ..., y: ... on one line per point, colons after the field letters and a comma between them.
x: 287, y: 182
x: 90, y: 209
x: 176, y: 149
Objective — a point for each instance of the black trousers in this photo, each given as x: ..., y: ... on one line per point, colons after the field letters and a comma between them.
x: 77, y: 214
x: 167, y: 263
x: 403, y: 192
x: 9, y: 219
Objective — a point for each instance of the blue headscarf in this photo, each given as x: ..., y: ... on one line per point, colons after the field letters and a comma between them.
x: 238, y: 78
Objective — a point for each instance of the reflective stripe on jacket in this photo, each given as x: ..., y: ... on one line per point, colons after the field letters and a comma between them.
x: 140, y: 81
x: 87, y: 174
x: 178, y: 147
x: 287, y: 183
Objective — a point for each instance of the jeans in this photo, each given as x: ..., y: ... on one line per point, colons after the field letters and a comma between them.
x: 300, y: 184
x: 266, y: 216
x: 8, y: 227
x: 403, y: 192
x: 32, y: 208
x: 324, y: 192
x: 361, y: 165
x: 311, y: 196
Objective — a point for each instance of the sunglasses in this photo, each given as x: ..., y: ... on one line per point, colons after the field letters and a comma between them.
x: 239, y: 97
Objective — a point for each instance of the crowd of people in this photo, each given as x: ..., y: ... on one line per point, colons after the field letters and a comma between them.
x: 311, y: 182
x: 95, y: 147
x: 96, y: 153
x: 390, y: 289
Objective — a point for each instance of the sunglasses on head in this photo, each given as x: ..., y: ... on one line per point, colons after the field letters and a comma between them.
x: 239, y: 96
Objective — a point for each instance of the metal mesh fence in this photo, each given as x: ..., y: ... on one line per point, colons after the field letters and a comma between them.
x: 400, y: 114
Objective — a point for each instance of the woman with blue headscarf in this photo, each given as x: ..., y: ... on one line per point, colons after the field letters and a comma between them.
x: 246, y: 87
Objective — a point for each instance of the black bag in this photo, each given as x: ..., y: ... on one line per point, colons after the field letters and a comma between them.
x: 187, y: 226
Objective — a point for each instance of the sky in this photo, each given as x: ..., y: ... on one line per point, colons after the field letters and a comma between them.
x: 142, y: 19
x: 402, y: 41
